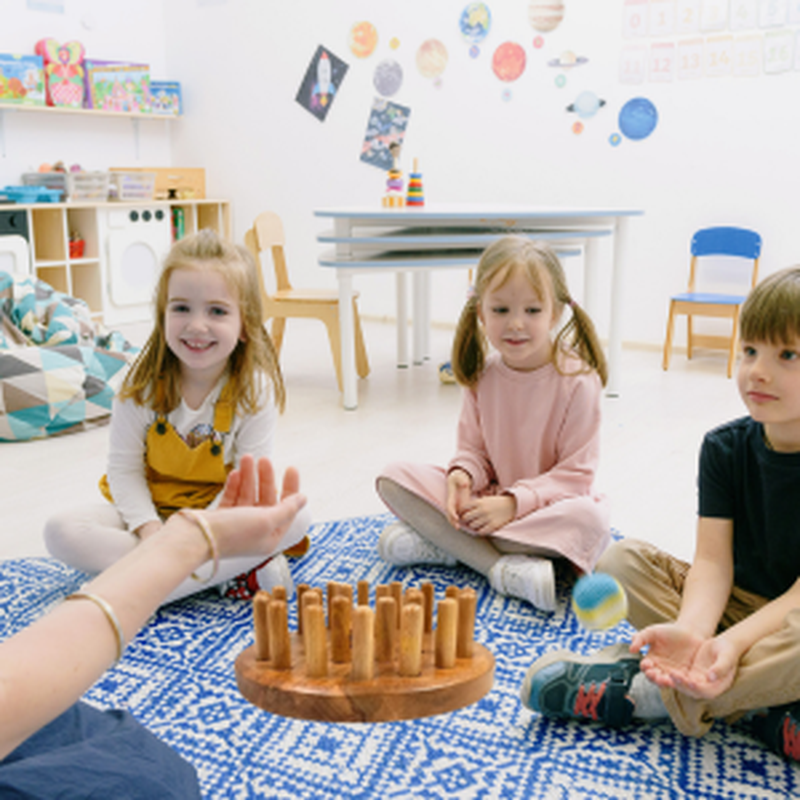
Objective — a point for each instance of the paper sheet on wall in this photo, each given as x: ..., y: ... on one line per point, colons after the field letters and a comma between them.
x: 386, y: 125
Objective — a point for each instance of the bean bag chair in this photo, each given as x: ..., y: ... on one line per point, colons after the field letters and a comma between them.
x: 58, y: 368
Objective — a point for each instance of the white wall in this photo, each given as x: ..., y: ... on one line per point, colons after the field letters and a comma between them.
x: 724, y: 150
x: 110, y: 30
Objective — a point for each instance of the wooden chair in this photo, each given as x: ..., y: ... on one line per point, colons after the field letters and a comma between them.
x: 323, y: 304
x: 718, y: 241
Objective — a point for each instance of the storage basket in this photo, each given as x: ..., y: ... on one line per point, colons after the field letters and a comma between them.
x: 31, y: 194
x: 50, y: 180
x: 133, y: 185
x: 86, y: 186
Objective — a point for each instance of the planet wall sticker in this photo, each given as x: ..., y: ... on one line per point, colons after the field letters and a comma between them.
x: 363, y: 39
x: 508, y: 61
x: 474, y: 23
x: 567, y: 60
x: 388, y: 77
x: 638, y: 118
x: 545, y: 15
x: 586, y: 105
x: 431, y: 58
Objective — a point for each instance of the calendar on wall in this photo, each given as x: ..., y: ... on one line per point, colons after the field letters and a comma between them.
x: 672, y: 40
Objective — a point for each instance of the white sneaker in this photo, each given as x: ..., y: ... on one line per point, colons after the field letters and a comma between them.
x: 401, y: 545
x: 274, y: 573
x: 527, y: 577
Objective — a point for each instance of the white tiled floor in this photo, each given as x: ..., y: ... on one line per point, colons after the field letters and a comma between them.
x: 651, y: 435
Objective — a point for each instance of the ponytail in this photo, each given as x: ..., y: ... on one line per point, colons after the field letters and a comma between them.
x: 469, y: 345
x: 579, y: 337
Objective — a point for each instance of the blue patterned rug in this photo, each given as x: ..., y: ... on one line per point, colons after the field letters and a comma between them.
x: 177, y: 678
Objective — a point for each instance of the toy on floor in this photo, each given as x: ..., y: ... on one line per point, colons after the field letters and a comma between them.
x: 446, y: 375
x: 599, y: 601
x: 366, y: 664
x: 393, y: 196
x: 415, y: 195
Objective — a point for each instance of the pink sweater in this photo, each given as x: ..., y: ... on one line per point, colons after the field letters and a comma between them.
x: 535, y: 435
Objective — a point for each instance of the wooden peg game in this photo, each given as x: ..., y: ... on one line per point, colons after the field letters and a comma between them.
x: 365, y: 664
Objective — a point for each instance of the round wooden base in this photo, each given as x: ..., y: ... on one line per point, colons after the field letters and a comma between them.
x: 387, y: 696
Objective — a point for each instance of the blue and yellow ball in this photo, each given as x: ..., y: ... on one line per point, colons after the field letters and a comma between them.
x: 599, y: 601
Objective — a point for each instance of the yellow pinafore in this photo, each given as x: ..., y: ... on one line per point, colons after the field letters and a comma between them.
x: 179, y: 475
x: 183, y: 476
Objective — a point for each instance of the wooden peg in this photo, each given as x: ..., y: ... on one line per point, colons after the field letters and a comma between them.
x: 467, y: 603
x: 260, y: 628
x: 385, y: 629
x: 301, y: 590
x: 413, y: 596
x: 278, y: 625
x: 363, y: 643
x: 279, y: 593
x: 397, y: 594
x: 446, y: 631
x: 428, y: 595
x: 341, y: 614
x: 363, y: 593
x: 382, y: 590
x: 452, y: 592
x: 411, y: 622
x: 316, y: 641
x: 331, y: 593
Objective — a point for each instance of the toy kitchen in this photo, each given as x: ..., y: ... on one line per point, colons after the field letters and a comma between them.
x: 102, y: 236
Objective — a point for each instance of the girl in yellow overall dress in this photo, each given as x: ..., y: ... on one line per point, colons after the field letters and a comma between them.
x: 204, y: 391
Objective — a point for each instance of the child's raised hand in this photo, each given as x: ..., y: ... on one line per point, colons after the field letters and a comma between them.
x: 459, y: 494
x: 713, y: 670
x: 671, y: 652
x: 485, y: 515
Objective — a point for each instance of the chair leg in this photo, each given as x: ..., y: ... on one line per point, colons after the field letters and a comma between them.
x: 276, y: 332
x: 362, y: 362
x: 334, y: 337
x: 734, y: 343
x: 689, y: 342
x: 668, y: 337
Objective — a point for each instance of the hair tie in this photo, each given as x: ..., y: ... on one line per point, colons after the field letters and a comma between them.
x: 571, y: 303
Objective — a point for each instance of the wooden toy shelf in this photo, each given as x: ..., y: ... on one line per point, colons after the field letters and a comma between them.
x: 50, y: 226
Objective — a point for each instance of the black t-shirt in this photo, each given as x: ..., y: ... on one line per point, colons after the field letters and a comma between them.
x: 743, y: 480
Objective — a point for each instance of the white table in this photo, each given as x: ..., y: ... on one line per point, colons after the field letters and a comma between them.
x: 417, y: 240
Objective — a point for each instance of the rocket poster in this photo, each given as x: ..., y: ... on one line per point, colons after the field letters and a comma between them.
x: 321, y: 83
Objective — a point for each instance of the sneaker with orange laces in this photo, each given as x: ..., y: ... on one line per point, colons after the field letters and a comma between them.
x: 564, y: 685
x: 780, y: 729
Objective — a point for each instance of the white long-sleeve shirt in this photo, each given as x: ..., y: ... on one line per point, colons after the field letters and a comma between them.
x: 250, y: 433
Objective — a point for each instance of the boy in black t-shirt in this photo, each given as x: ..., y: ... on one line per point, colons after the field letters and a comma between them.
x: 722, y: 634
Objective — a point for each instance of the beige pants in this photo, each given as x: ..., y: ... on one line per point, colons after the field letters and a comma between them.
x: 768, y: 673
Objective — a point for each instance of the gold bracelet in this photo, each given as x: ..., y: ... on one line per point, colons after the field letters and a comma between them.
x: 105, y: 607
x: 208, y: 535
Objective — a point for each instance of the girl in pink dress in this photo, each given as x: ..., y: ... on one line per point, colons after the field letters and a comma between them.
x: 518, y: 492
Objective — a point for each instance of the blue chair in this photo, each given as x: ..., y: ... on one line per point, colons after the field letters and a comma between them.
x: 718, y: 241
